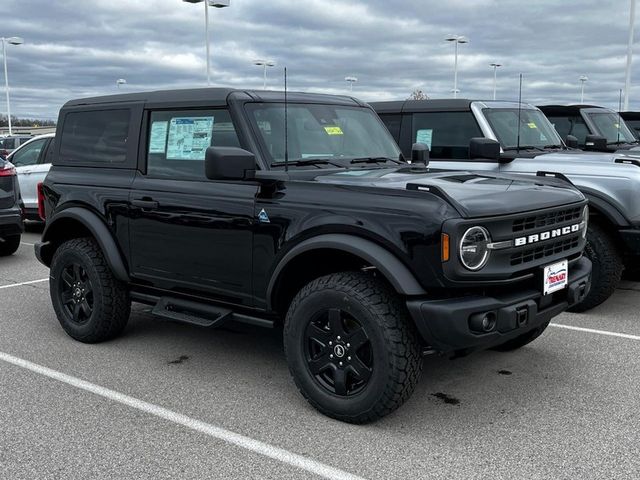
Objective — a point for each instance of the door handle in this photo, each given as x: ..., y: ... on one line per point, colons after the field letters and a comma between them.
x: 145, y: 203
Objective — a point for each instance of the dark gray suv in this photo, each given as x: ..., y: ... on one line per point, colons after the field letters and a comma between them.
x: 10, y: 209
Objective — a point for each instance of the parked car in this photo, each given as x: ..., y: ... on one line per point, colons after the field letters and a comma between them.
x: 210, y: 206
x: 10, y: 210
x: 32, y: 165
x: 9, y: 143
x: 632, y: 119
x: 483, y: 135
x: 595, y: 128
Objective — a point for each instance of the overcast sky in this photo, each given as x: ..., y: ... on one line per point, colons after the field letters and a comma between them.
x: 79, y: 48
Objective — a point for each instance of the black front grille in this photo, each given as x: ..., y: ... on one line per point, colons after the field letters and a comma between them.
x: 547, y: 219
x: 552, y: 248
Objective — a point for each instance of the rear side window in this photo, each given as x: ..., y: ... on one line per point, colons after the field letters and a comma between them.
x: 177, y: 141
x: 573, y: 125
x: 447, y: 134
x: 95, y: 137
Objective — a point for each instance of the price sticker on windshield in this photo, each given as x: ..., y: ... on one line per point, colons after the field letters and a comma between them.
x: 333, y: 130
x: 556, y: 277
x: 532, y: 125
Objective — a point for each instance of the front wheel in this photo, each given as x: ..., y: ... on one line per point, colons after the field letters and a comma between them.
x: 607, y: 268
x: 90, y: 303
x: 351, y: 347
x: 9, y: 245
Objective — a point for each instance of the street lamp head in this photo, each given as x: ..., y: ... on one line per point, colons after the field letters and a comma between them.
x: 121, y: 81
x: 351, y: 79
x: 457, y: 38
x: 463, y: 39
x: 495, y: 65
x: 451, y: 38
x: 15, y: 40
x: 219, y: 3
x: 583, y: 78
x: 264, y: 63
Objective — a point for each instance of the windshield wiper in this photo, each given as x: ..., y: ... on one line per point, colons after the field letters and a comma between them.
x: 376, y: 160
x: 307, y: 161
x: 525, y: 147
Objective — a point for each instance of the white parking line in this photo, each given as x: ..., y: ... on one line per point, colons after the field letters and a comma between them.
x: 24, y: 283
x: 26, y: 243
x: 219, y: 433
x: 599, y: 332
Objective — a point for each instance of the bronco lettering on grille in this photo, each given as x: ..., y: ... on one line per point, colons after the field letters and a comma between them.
x: 540, y: 237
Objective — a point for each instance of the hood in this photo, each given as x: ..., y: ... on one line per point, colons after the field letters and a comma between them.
x: 579, y: 157
x: 473, y: 194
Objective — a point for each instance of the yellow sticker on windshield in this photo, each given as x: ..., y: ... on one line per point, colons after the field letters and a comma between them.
x: 333, y: 130
x: 532, y: 125
x: 617, y: 125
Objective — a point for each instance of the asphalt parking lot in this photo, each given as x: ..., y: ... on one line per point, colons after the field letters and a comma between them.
x: 173, y: 401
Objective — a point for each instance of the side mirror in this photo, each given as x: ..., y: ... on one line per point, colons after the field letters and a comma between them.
x: 480, y: 147
x: 595, y: 143
x: 420, y: 154
x: 229, y: 163
x: 571, y: 141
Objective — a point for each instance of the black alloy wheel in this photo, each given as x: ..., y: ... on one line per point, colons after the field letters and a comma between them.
x: 76, y: 293
x: 338, y: 352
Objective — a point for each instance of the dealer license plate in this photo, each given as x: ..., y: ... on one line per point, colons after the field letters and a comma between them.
x: 556, y: 277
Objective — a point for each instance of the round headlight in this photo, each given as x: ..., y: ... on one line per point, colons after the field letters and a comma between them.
x: 474, y: 253
x: 585, y: 219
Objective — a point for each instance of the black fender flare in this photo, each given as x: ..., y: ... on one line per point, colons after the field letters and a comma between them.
x: 100, y: 232
x: 610, y: 212
x: 396, y: 272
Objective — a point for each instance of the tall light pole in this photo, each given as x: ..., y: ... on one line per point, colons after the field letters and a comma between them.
x: 627, y: 77
x: 264, y: 64
x: 207, y: 4
x: 120, y: 81
x: 351, y: 79
x: 583, y: 80
x: 495, y: 76
x: 456, y: 39
x: 10, y: 41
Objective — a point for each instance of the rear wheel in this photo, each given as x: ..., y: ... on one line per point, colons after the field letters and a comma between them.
x: 90, y: 303
x: 9, y: 245
x: 603, y: 252
x: 351, y: 347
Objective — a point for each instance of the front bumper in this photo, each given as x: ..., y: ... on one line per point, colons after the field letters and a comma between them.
x: 11, y: 222
x: 445, y: 325
x: 631, y: 239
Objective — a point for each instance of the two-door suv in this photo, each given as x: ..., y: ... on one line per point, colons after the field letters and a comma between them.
x: 10, y: 209
x: 217, y: 205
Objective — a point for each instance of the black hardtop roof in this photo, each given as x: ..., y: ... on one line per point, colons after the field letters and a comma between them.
x: 564, y: 109
x: 210, y: 96
x: 447, y: 104
x: 630, y: 115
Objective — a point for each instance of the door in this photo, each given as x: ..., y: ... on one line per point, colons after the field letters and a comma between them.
x: 189, y: 234
x: 26, y: 160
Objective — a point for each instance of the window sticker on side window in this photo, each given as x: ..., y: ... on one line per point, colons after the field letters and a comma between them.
x: 424, y: 136
x: 189, y: 137
x: 158, y: 137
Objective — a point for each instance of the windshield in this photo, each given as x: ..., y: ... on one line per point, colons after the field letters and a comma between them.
x: 610, y: 126
x: 535, y: 129
x: 329, y: 132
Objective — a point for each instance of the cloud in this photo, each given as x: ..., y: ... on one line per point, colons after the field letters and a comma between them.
x: 74, y: 48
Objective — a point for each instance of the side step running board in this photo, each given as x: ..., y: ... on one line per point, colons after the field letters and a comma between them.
x: 196, y: 313
x: 191, y: 312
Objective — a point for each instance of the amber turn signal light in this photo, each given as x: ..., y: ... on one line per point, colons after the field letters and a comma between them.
x: 445, y: 247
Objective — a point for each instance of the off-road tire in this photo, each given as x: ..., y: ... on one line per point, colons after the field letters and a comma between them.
x: 522, y: 340
x: 111, y: 302
x: 603, y: 252
x: 394, y: 345
x: 9, y: 245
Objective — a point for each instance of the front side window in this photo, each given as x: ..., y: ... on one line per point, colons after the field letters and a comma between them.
x: 534, y: 130
x: 95, y: 137
x: 331, y: 132
x: 612, y: 127
x: 28, y: 155
x: 178, y: 140
x: 447, y: 134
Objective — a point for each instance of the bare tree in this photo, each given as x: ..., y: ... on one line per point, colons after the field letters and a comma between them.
x: 418, y: 95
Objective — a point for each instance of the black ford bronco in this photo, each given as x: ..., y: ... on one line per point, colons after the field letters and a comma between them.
x: 218, y: 205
